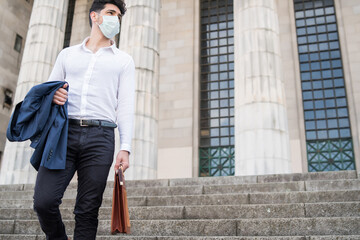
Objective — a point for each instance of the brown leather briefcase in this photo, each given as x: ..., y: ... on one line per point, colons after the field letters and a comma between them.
x: 120, y: 219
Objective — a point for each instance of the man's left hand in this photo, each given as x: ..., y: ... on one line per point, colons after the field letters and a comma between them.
x: 122, y: 158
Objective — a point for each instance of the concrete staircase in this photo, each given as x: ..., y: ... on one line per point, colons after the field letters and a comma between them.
x: 309, y: 206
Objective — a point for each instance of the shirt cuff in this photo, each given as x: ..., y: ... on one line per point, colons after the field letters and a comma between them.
x: 126, y: 147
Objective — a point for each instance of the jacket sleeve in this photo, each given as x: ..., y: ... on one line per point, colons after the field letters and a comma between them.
x: 58, y: 72
x: 125, y: 105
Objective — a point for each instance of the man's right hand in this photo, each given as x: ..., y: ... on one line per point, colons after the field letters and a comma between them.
x: 61, y: 95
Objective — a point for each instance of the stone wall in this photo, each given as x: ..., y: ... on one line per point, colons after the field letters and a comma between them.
x: 44, y: 42
x: 178, y: 89
x: 348, y: 20
x: 292, y: 82
x: 15, y: 17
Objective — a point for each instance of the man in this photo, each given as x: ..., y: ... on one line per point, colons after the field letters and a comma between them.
x: 101, y: 93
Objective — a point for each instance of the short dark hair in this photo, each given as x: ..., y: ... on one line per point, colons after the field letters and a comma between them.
x: 99, y: 5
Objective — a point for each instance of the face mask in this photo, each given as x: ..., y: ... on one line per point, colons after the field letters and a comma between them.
x: 110, y: 26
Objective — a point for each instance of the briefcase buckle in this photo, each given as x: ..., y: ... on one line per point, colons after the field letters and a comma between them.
x: 82, y: 124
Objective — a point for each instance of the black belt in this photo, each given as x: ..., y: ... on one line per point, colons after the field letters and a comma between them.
x: 90, y: 123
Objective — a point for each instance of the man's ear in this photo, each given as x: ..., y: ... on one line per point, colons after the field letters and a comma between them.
x: 93, y: 16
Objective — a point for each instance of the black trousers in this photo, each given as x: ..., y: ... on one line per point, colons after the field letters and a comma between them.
x: 90, y: 152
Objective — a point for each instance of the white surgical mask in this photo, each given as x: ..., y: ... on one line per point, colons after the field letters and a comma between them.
x: 110, y: 26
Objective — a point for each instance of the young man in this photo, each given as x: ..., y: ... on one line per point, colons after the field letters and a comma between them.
x: 101, y: 93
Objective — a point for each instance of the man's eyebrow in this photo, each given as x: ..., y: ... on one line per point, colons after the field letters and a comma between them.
x: 110, y: 10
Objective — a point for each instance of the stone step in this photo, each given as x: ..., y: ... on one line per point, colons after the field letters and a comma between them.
x: 349, y: 209
x: 298, y: 226
x: 269, y: 178
x: 67, y: 202
x: 305, y: 197
x: 213, y: 199
x: 346, y: 209
x: 318, y: 206
x: 230, y: 180
x: 243, y: 227
x: 322, y: 185
x: 348, y: 237
x: 335, y: 237
x: 134, y: 192
x: 348, y: 184
x: 255, y: 198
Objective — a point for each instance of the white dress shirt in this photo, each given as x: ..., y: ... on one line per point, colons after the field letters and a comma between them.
x: 101, y: 86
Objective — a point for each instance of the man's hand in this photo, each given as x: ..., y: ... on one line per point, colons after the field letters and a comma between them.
x: 122, y: 158
x: 60, y: 95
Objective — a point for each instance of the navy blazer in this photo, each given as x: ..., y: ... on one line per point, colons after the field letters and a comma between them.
x: 44, y: 123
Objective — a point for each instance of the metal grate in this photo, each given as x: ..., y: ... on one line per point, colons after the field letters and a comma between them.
x: 330, y: 155
x: 217, y: 87
x: 217, y: 161
x: 323, y: 87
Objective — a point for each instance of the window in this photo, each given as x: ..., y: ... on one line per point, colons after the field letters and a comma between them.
x: 69, y: 22
x: 217, y: 88
x: 8, y: 98
x: 327, y: 126
x: 18, y: 43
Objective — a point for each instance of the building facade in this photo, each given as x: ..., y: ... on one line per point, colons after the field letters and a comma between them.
x: 223, y: 87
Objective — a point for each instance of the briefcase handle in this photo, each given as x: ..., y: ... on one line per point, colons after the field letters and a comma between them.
x: 121, y: 175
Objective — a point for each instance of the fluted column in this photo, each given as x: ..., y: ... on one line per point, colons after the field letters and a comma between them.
x: 45, y: 39
x: 80, y: 27
x: 140, y: 38
x: 261, y: 129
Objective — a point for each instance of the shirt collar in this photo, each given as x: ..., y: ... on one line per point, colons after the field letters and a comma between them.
x: 112, y: 47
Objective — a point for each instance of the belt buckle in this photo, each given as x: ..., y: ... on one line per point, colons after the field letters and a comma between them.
x: 81, y: 123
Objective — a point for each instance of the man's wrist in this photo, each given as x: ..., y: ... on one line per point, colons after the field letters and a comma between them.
x: 125, y: 151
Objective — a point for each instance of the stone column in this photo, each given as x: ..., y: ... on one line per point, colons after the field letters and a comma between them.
x: 140, y: 38
x: 80, y: 27
x: 261, y: 129
x: 45, y: 39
